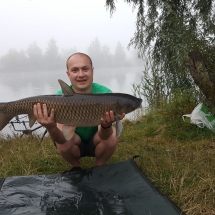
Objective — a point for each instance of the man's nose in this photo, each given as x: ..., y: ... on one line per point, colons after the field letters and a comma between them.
x: 80, y: 72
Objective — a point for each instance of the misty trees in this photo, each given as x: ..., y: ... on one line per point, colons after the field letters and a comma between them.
x: 13, y: 61
x: 35, y: 59
x: 67, y: 52
x: 95, y: 52
x: 35, y: 56
x: 106, y: 56
x: 119, y: 55
x: 102, y: 57
x: 52, y: 58
x: 166, y: 31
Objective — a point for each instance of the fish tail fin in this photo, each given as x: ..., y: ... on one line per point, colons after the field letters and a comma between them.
x: 4, y: 119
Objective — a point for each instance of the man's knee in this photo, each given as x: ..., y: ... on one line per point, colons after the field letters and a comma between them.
x: 61, y: 148
x: 65, y: 149
x: 112, y: 141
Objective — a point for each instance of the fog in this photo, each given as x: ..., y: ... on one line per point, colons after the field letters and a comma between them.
x: 72, y: 23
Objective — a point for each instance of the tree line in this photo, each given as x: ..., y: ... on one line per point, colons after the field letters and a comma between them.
x: 34, y: 59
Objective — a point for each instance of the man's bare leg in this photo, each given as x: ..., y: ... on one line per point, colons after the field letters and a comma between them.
x: 105, y: 148
x: 70, y: 151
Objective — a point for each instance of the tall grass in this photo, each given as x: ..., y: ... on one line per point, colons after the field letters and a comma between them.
x: 178, y: 157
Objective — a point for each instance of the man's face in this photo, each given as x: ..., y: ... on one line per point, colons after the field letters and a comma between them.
x: 80, y: 73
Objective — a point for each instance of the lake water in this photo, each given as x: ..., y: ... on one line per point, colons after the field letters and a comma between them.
x: 16, y: 85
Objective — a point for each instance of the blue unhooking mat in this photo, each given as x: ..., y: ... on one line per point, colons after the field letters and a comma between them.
x: 119, y: 188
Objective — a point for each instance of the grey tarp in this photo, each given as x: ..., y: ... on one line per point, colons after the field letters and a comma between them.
x: 119, y: 188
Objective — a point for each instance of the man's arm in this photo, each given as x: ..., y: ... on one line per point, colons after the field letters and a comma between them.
x: 56, y: 135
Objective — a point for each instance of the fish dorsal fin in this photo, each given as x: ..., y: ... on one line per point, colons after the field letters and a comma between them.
x: 66, y: 89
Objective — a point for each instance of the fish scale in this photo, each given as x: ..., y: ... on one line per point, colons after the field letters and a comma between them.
x: 81, y: 109
x: 72, y: 109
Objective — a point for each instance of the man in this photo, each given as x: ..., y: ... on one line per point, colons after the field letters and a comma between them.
x: 101, y: 141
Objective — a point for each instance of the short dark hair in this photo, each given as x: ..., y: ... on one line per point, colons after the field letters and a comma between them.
x: 79, y: 54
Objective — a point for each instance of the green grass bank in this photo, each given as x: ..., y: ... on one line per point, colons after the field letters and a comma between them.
x: 178, y: 157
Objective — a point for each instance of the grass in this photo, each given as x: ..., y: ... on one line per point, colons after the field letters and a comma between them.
x: 176, y: 156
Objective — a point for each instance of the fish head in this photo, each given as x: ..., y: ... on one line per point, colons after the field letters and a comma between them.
x: 128, y: 103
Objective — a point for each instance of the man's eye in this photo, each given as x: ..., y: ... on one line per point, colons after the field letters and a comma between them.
x: 74, y: 70
x: 85, y: 69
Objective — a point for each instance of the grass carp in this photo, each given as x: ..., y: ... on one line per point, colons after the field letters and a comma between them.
x: 71, y: 108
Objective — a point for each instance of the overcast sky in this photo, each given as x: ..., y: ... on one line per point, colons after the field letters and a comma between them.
x: 72, y: 23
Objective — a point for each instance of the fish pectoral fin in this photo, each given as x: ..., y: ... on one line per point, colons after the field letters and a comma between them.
x: 32, y: 119
x: 66, y: 89
x: 119, y: 125
x: 68, y: 131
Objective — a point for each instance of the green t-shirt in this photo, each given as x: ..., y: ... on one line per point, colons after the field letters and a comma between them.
x: 86, y: 132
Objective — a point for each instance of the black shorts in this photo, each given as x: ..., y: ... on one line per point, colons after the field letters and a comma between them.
x: 87, y: 148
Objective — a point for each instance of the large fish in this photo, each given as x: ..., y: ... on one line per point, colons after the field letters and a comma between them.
x: 72, y: 109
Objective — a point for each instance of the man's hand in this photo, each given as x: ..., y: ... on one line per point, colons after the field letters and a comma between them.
x: 109, y: 119
x: 42, y: 117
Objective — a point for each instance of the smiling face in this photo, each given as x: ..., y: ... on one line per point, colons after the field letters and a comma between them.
x: 80, y: 73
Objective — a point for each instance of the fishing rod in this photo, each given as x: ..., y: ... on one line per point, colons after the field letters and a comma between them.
x: 26, y: 131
